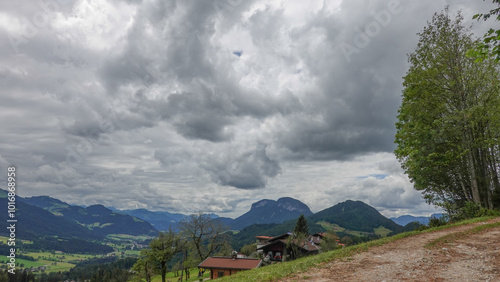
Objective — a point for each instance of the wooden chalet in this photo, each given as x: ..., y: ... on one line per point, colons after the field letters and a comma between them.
x: 262, y: 240
x: 276, y: 247
x: 225, y: 266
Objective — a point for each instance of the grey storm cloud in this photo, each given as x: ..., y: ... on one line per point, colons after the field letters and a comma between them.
x: 164, y: 99
x: 240, y: 167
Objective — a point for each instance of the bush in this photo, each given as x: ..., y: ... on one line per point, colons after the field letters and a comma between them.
x: 435, y: 221
x: 469, y: 210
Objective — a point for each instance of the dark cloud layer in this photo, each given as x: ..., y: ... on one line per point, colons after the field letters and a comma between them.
x: 109, y: 101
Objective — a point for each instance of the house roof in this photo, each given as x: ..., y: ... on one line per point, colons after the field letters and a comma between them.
x: 305, y: 245
x: 230, y: 263
x: 310, y: 247
x: 263, y: 237
x: 320, y: 234
x: 279, y: 237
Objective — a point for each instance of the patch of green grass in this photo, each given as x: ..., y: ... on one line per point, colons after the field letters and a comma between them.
x: 331, y: 226
x: 122, y: 237
x: 357, y: 233
x: 132, y: 252
x: 382, y: 231
x: 29, y: 263
x: 51, y: 266
x: 5, y: 240
x: 294, y: 268
x: 336, y: 228
x: 54, y: 262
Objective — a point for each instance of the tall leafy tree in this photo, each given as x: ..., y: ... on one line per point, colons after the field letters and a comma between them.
x: 161, y: 251
x: 145, y: 267
x: 448, y: 124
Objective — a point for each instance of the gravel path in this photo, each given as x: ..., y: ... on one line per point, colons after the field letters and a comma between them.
x: 475, y: 258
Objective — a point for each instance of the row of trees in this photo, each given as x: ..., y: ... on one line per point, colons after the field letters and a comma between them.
x: 199, y: 238
x: 448, y: 128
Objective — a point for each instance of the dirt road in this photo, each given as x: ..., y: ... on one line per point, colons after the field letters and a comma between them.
x: 470, y: 257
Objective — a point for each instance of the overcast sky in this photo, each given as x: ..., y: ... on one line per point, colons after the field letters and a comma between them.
x: 209, y: 106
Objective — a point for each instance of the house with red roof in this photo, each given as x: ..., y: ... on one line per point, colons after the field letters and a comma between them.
x: 225, y: 266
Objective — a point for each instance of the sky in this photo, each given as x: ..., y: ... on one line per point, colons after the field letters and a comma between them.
x: 210, y: 106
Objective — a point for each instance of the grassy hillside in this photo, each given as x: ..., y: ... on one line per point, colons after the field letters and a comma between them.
x: 96, y: 219
x: 34, y: 222
x: 355, y: 215
x: 281, y: 270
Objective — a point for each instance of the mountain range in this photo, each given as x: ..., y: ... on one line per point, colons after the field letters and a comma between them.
x: 405, y: 219
x: 354, y: 219
x: 47, y: 216
x: 161, y: 220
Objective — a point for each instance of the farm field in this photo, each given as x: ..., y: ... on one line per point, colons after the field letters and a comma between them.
x: 55, y: 261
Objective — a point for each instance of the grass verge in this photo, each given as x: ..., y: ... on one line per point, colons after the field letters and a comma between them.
x: 450, y: 238
x: 286, y: 269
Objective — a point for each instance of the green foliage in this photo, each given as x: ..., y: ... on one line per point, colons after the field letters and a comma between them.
x: 489, y: 47
x: 471, y: 210
x: 161, y: 250
x: 146, y: 265
x: 293, y: 246
x: 101, y: 269
x: 414, y: 225
x: 329, y: 242
x: 301, y: 227
x: 448, y: 124
x: 248, y: 249
x: 437, y: 221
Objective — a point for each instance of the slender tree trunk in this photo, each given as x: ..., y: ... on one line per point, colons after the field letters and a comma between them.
x: 476, y: 198
x: 495, y: 184
x: 487, y: 178
x: 464, y: 189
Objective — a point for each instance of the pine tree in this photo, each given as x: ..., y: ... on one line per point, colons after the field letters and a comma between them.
x: 301, y: 227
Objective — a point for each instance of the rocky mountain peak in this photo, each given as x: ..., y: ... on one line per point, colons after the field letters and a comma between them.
x: 261, y: 204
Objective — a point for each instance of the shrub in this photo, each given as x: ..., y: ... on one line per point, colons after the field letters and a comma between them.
x: 435, y: 221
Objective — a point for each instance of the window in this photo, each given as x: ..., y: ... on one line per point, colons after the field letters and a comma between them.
x: 220, y: 274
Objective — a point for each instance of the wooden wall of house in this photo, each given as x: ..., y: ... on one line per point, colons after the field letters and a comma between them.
x: 214, y: 274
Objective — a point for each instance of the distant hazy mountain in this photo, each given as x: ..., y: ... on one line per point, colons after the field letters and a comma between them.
x: 405, y: 219
x: 161, y: 220
x: 270, y: 211
x: 97, y: 218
